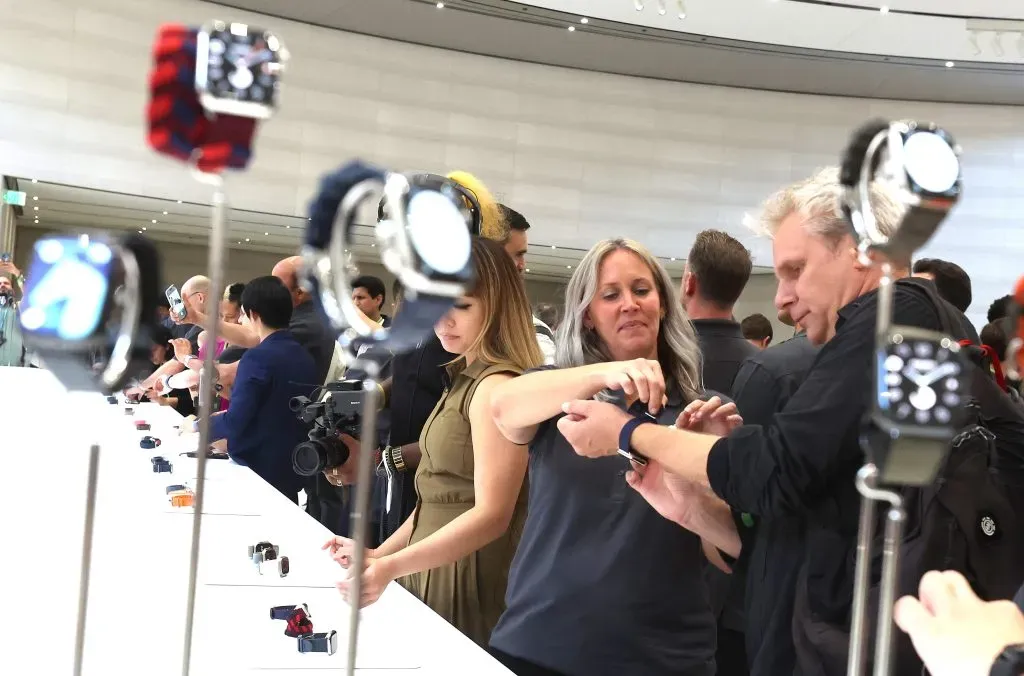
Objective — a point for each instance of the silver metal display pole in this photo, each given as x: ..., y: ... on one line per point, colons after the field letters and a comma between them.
x: 215, y: 268
x: 361, y: 507
x: 86, y: 568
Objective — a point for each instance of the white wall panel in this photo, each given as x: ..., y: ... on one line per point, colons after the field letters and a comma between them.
x: 582, y: 154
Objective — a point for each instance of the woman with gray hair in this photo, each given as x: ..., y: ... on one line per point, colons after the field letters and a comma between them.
x: 601, y: 584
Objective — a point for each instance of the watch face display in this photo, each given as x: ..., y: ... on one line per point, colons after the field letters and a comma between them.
x: 239, y: 64
x: 931, y: 162
x: 438, y: 232
x: 70, y: 288
x: 920, y: 382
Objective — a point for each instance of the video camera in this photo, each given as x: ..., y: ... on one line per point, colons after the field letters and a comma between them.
x: 338, y: 411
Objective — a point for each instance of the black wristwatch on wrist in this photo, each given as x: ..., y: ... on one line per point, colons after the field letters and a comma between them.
x: 626, y: 434
x: 1010, y: 662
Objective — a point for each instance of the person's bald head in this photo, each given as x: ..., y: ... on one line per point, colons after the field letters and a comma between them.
x: 194, y: 292
x: 287, y: 271
x: 197, y: 284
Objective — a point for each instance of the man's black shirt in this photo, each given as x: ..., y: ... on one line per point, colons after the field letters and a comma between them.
x: 723, y: 348
x: 762, y: 388
x: 802, y: 465
x: 310, y: 330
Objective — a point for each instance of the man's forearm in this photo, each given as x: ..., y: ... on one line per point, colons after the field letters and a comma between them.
x: 712, y: 520
x: 236, y: 334
x: 682, y: 453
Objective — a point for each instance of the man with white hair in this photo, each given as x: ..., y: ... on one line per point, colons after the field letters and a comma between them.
x: 782, y: 495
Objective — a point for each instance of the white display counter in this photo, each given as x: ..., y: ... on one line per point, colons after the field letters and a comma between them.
x: 141, y: 547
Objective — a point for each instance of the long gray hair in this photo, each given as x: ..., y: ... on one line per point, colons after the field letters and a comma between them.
x: 576, y: 345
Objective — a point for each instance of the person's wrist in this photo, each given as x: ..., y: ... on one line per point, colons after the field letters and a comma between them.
x: 389, y: 566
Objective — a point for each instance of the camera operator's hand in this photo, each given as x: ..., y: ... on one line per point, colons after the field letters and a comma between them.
x: 342, y: 550
x: 345, y: 475
x: 954, y: 632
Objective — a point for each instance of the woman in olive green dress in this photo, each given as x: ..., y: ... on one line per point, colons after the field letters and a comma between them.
x: 455, y: 550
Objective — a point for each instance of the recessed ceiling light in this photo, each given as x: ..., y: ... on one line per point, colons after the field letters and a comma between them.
x: 140, y: 232
x: 246, y: 239
x: 165, y: 213
x: 35, y: 197
x: 37, y: 220
x: 154, y: 220
x: 440, y: 5
x: 266, y: 233
x: 884, y: 9
x: 143, y: 227
x: 572, y: 28
x: 950, y: 64
x: 527, y: 269
x: 672, y: 259
x: 35, y: 180
x: 179, y: 201
x: 553, y: 246
x: 584, y: 20
x: 569, y: 266
x: 288, y: 226
x: 35, y: 208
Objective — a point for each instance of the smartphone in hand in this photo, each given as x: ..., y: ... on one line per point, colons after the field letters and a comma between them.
x: 177, y: 304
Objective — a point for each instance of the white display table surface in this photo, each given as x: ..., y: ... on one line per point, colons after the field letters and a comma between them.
x: 141, y: 548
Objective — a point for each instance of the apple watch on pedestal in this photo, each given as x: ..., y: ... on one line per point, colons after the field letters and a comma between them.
x: 424, y: 238
x: 919, y: 163
x: 209, y: 86
x: 919, y: 375
x: 91, y: 310
x: 921, y: 385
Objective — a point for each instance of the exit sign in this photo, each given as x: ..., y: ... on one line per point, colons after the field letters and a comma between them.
x: 15, y: 197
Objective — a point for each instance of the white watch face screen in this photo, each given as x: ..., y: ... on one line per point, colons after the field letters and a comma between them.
x: 438, y: 232
x: 931, y: 162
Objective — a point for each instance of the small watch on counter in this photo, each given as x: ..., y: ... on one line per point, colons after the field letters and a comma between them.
x: 324, y: 642
x: 1010, y: 662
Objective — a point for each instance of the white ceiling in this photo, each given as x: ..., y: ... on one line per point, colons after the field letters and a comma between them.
x: 989, y: 9
x: 522, y: 31
x: 69, y: 209
x: 838, y: 26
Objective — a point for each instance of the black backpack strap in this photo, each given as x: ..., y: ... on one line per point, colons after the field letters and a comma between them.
x: 952, y: 321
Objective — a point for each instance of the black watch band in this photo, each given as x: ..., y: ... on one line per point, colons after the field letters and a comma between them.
x: 626, y: 434
x: 1010, y: 662
x: 281, y: 612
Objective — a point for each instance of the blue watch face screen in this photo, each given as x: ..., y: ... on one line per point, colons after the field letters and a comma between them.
x: 67, y: 288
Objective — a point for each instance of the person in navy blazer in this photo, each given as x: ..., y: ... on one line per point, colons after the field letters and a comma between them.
x: 260, y: 429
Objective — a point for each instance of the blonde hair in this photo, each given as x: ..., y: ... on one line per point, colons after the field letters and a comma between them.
x: 678, y: 350
x: 507, y: 334
x: 817, y: 201
x: 492, y: 220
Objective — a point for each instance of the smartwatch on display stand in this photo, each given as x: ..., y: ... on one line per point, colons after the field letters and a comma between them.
x: 90, y: 315
x: 424, y: 231
x: 920, y: 378
x: 209, y: 86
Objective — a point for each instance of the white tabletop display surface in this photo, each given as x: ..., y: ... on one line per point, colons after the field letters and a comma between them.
x: 140, y: 556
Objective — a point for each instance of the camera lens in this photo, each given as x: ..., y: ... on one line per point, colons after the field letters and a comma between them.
x: 316, y: 455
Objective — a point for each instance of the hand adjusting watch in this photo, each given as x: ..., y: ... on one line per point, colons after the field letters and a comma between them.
x: 208, y: 88
x: 424, y: 239
x: 91, y: 310
x: 921, y: 380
